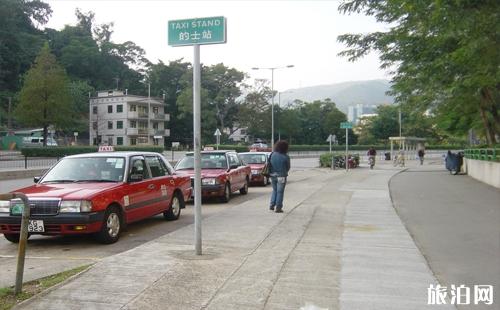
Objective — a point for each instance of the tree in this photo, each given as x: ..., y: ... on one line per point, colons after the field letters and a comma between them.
x: 20, y: 40
x: 45, y: 99
x: 255, y: 110
x: 445, y: 55
x: 220, y: 88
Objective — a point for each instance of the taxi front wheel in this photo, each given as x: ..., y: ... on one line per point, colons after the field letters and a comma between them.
x: 14, y: 238
x: 111, y: 226
x: 227, y: 193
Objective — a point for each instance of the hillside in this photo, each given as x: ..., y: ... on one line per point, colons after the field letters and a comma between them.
x: 343, y: 94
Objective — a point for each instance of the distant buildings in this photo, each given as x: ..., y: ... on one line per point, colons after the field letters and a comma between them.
x: 356, y: 112
x: 117, y: 118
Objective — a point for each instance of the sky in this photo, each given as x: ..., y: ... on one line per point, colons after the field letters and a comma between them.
x: 259, y: 34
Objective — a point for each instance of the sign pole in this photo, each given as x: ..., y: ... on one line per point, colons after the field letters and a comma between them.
x: 330, y: 139
x: 197, y: 148
x: 346, y: 148
x: 195, y: 32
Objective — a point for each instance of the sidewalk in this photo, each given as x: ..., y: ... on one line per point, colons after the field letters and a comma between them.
x: 339, y: 245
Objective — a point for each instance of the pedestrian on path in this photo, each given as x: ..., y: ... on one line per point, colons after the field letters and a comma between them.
x: 278, y: 171
x: 421, y: 154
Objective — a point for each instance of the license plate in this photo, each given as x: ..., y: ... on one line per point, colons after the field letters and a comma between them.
x: 36, y: 226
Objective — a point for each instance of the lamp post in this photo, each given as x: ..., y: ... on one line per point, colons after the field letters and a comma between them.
x: 272, y: 90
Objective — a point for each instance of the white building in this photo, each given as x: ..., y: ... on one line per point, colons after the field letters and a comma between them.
x: 117, y: 118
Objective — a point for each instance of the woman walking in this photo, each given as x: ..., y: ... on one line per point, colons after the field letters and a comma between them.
x: 278, y: 170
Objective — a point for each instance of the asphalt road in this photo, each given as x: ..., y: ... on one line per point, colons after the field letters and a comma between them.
x: 455, y: 221
x: 47, y: 255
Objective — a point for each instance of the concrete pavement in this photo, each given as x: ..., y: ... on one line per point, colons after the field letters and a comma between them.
x: 339, y: 245
x: 455, y: 221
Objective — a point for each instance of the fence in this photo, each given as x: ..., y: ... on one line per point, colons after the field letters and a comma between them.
x: 483, y: 154
x: 16, y: 161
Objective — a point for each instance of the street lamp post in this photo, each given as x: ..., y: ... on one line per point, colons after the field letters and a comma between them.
x: 272, y: 90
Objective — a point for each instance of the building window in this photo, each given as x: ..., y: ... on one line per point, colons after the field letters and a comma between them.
x: 155, y: 126
x: 110, y: 109
x: 119, y: 140
x: 110, y: 140
x: 119, y: 124
x: 94, y: 110
x: 133, y: 124
x: 119, y: 108
x: 110, y: 125
x: 133, y: 141
x: 94, y: 125
x: 155, y: 110
x: 133, y: 108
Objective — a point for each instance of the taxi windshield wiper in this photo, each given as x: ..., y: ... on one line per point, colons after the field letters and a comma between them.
x: 60, y: 181
x: 97, y: 180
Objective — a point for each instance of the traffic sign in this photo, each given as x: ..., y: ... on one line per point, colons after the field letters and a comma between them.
x: 346, y: 125
x: 207, y: 30
x: 217, y: 132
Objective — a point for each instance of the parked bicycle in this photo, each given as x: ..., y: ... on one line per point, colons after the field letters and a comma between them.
x: 399, y: 159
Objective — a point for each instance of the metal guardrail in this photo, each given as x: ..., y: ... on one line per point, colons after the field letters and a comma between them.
x: 483, y: 154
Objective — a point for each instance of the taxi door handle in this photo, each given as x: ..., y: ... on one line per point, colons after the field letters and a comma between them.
x: 151, y: 186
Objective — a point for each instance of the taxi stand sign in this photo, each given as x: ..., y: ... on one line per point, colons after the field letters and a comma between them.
x: 196, y: 32
x: 346, y: 125
x: 207, y: 30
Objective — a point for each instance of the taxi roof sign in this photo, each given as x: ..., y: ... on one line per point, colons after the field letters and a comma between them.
x: 106, y: 148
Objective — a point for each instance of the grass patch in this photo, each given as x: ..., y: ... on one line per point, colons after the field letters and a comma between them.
x: 30, y: 289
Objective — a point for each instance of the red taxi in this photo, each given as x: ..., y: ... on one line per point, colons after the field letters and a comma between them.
x: 222, y: 173
x: 98, y: 193
x: 257, y: 162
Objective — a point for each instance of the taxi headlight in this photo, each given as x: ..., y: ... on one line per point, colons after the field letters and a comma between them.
x: 209, y: 181
x: 75, y: 206
x: 4, y: 206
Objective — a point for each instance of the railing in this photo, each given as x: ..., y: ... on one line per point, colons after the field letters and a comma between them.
x: 18, y: 161
x: 483, y: 154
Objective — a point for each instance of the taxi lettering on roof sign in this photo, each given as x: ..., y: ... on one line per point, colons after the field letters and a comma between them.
x: 106, y: 148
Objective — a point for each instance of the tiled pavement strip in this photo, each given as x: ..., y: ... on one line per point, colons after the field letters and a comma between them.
x: 339, y: 245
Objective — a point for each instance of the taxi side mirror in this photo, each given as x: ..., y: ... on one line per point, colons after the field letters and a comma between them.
x: 36, y: 179
x: 136, y: 177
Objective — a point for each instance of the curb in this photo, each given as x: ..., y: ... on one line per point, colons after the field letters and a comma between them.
x: 52, y: 288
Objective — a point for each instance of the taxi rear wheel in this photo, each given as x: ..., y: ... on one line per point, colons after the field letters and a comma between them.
x: 227, y: 193
x: 111, y: 226
x: 174, y: 211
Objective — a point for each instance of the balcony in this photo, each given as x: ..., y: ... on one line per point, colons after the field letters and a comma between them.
x: 137, y: 114
x: 160, y: 117
x: 136, y: 131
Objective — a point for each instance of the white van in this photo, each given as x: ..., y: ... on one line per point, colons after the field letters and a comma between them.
x: 38, y: 141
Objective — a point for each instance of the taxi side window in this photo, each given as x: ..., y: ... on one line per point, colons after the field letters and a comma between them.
x: 157, y: 167
x: 233, y: 160
x: 139, y: 167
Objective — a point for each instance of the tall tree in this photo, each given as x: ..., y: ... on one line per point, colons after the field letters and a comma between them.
x: 20, y: 40
x: 445, y: 54
x: 45, y: 99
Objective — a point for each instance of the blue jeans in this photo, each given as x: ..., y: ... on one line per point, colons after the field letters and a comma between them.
x: 278, y: 192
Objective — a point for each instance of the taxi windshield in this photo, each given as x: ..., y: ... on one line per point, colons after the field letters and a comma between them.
x: 253, y: 158
x: 208, y: 161
x: 87, y: 169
